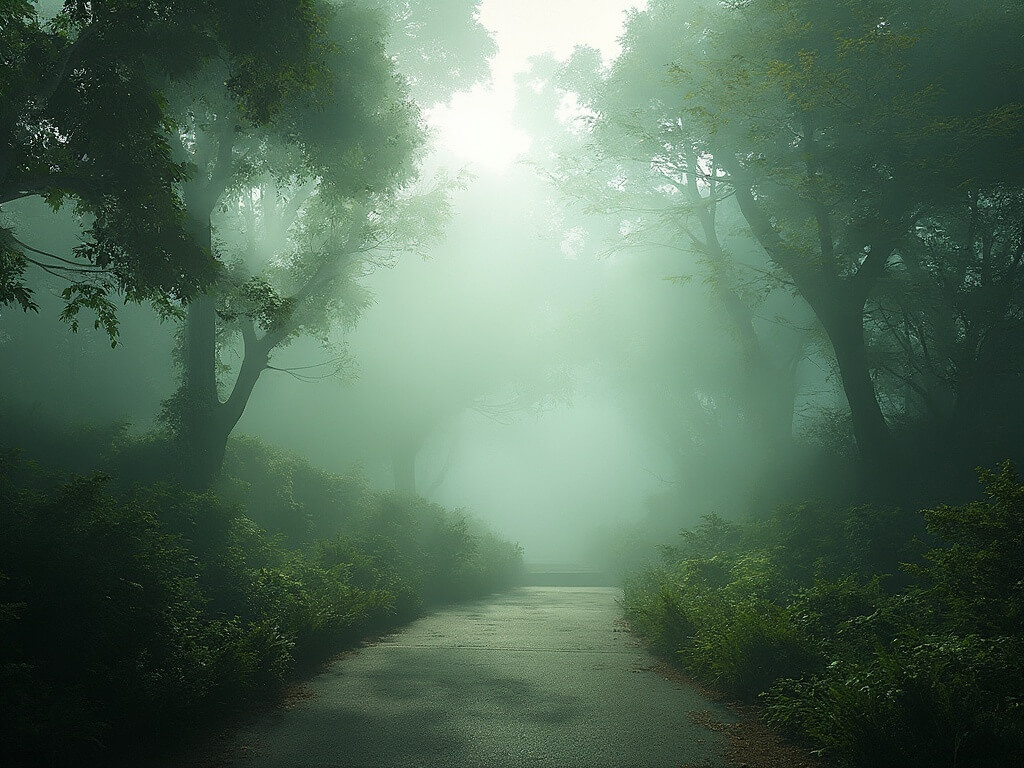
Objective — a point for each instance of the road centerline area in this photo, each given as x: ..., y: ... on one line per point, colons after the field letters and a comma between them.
x: 502, y: 648
x: 507, y: 682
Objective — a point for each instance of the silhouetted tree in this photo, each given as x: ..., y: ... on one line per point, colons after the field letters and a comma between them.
x: 828, y: 127
x: 326, y: 175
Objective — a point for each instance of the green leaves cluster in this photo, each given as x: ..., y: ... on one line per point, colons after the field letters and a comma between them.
x: 979, y: 578
x: 84, y: 117
x: 818, y: 145
x: 874, y: 666
x: 128, y: 612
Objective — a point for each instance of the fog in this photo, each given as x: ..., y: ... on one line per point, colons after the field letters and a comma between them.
x: 570, y: 368
x: 697, y: 320
x: 497, y: 349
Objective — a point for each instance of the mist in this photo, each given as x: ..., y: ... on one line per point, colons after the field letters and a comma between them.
x: 318, y: 317
x: 498, y: 351
x: 545, y: 331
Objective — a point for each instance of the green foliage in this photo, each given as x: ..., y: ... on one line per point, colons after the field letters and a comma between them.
x: 107, y: 602
x: 128, y: 614
x: 94, y: 296
x: 83, y: 120
x: 977, y: 578
x: 918, y: 668
x: 12, y: 268
x: 921, y: 702
x: 814, y: 540
x: 656, y: 609
x: 440, y: 45
x: 86, y: 116
x: 714, y: 605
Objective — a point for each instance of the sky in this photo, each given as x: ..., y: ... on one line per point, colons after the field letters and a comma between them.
x: 542, y: 479
x: 476, y: 127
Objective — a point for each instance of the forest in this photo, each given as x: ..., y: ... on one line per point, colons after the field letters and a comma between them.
x: 320, y: 315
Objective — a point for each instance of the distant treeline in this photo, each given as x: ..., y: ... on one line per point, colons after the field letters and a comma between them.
x: 136, y: 613
x: 881, y: 638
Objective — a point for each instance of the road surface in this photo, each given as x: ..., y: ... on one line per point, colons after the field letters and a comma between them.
x: 542, y: 676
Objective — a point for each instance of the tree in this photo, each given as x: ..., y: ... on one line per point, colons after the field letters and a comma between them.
x: 701, y: 397
x: 440, y: 45
x: 834, y: 132
x: 945, y: 330
x: 80, y: 120
x: 327, y: 176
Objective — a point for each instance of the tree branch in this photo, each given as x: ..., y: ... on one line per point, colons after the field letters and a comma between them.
x: 18, y: 189
x: 871, y: 268
x: 74, y: 265
x: 810, y: 284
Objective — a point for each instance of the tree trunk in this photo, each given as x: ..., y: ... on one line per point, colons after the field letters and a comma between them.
x: 200, y: 432
x: 203, y: 422
x: 838, y: 303
x: 197, y: 403
x: 875, y: 443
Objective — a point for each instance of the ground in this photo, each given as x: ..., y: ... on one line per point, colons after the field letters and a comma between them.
x: 541, y: 676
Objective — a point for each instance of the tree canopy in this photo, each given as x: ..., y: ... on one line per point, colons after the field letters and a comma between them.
x: 84, y: 118
x: 830, y: 132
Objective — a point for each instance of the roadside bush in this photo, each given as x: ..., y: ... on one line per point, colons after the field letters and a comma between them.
x: 918, y: 668
x: 943, y: 700
x: 286, y: 495
x: 818, y: 540
x: 747, y: 647
x: 655, y: 608
x: 976, y: 580
x: 718, y: 616
x: 105, y: 609
x: 495, y: 564
x: 130, y: 615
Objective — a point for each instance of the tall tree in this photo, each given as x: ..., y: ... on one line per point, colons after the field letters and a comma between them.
x: 833, y: 129
x: 327, y: 174
x: 658, y: 193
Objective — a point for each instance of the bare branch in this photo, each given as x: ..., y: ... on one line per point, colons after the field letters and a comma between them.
x: 75, y: 266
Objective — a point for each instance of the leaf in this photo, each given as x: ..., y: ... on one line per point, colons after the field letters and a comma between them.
x: 96, y: 297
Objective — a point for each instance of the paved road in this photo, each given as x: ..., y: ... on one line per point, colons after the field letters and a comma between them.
x: 543, y: 676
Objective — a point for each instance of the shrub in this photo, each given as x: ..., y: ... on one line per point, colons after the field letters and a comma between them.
x: 977, y: 577
x: 933, y: 701
x: 799, y: 606
x: 654, y: 608
x: 128, y: 615
x: 744, y: 648
x: 107, y: 606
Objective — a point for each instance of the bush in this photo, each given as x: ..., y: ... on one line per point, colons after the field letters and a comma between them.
x: 935, y: 701
x: 718, y: 616
x: 129, y: 614
x: 920, y: 668
x: 655, y: 609
x: 977, y: 578
x: 106, y: 605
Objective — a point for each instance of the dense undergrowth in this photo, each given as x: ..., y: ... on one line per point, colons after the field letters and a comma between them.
x: 133, y: 613
x: 882, y: 639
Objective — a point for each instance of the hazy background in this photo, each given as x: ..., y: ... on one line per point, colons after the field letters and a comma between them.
x: 530, y: 361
